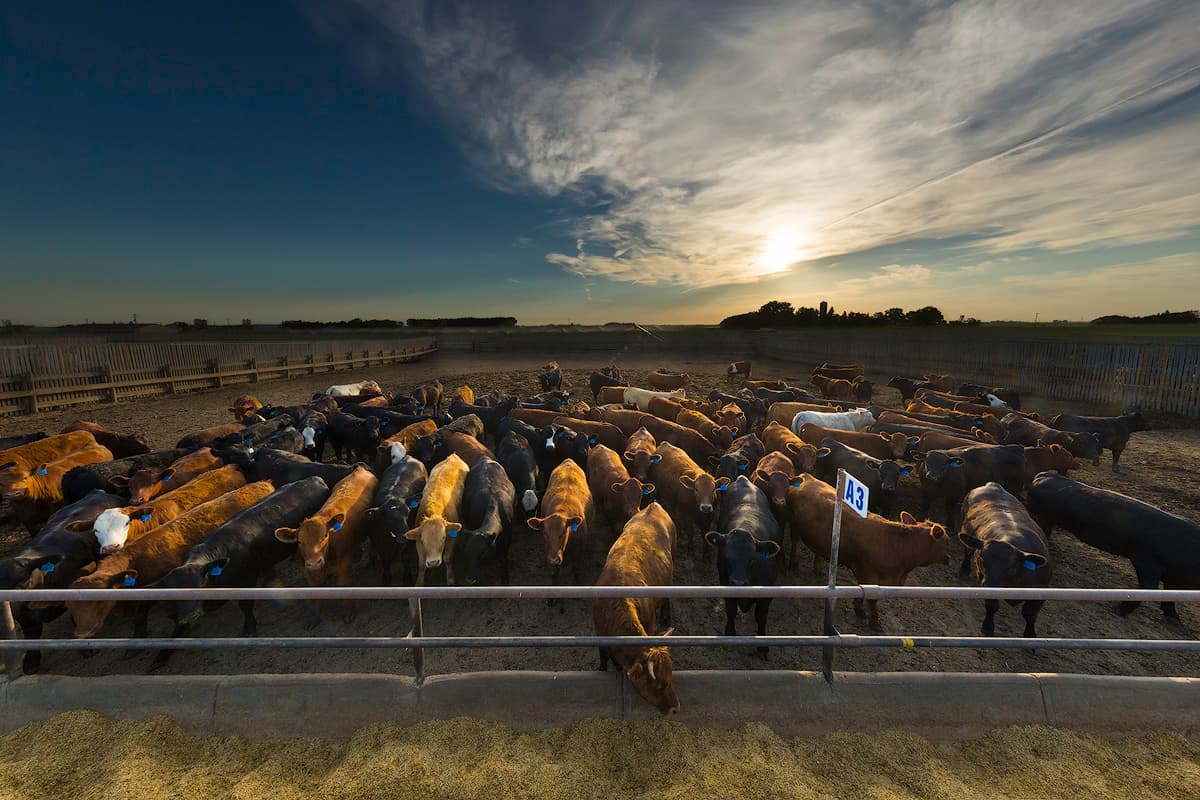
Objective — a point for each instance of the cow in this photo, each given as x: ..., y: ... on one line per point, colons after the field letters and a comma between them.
x: 856, y: 420
x: 599, y: 380
x: 488, y: 415
x: 547, y: 401
x: 875, y: 550
x: 988, y: 423
x: 288, y: 439
x: 351, y: 435
x: 121, y: 445
x: 208, y: 437
x: 428, y: 397
x: 1010, y: 397
x: 35, y: 495
x: 52, y: 560
x: 565, y: 509
x: 841, y: 389
x: 667, y: 408
x: 949, y: 474
x: 906, y: 386
x: 662, y: 380
x: 835, y: 373
x: 147, y: 483
x: 685, y: 489
x: 785, y: 412
x: 596, y: 432
x: 774, y: 384
x: 612, y: 488
x: 747, y: 539
x: 626, y: 420
x: 397, y: 446
x: 641, y: 556
x: 640, y: 398
x: 464, y: 394
x: 354, y: 389
x: 281, y: 467
x: 330, y: 539
x: 831, y: 365
x: 740, y: 458
x: 777, y: 438
x: 396, y: 500
x: 925, y: 421
x: 516, y: 456
x: 487, y: 514
x: 537, y: 417
x: 438, y: 518
x: 880, y: 476
x: 917, y: 429
x: 18, y: 460
x: 1164, y: 547
x: 466, y: 447
x: 1006, y: 547
x: 879, y: 445
x: 550, y: 379
x: 736, y: 370
x: 153, y: 556
x: 559, y: 443
x: 245, y: 409
x: 638, y: 451
x: 8, y: 442
x: 943, y: 399
x: 941, y: 440
x: 732, y: 416
x: 115, y: 527
x: 942, y: 383
x: 717, y: 435
x: 981, y: 409
x: 1021, y: 430
x: 110, y: 476
x: 753, y: 407
x: 1044, y: 457
x: 252, y: 435
x: 774, y: 473
x: 690, y: 440
x: 1113, y: 431
x: 242, y: 551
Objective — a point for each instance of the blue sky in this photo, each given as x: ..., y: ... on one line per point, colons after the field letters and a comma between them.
x: 589, y: 162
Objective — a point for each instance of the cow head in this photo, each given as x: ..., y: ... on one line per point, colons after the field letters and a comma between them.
x: 629, y: 495
x: 775, y: 486
x: 650, y: 675
x: 192, y: 575
x: 999, y: 563
x: 556, y: 530
x: 1134, y: 421
x: 427, y: 449
x: 803, y: 456
x: 936, y: 465
x: 480, y: 548
x: 435, y: 538
x: 312, y: 539
x: 1085, y: 445
x: 898, y: 443
x: 890, y: 473
x: 26, y: 572
x: 392, y: 519
x: 704, y: 489
x: 112, y: 526
x: 245, y: 408
x: 737, y: 551
x: 14, y: 481
x: 89, y: 615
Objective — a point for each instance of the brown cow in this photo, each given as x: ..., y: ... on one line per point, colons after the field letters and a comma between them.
x: 1045, y: 457
x: 439, y: 518
x: 537, y: 417
x: 835, y: 388
x: 464, y: 394
x: 429, y: 397
x: 207, y: 437
x: 686, y: 489
x: 943, y: 440
x: 667, y: 408
x: 387, y: 454
x: 900, y: 418
x: 467, y: 447
x: 732, y: 416
x: 565, y: 509
x: 639, y: 452
x: 878, y: 445
x: 245, y: 409
x: 596, y: 432
x: 151, y: 557
x: 775, y: 384
x: 717, y: 435
x: 852, y: 365
x: 627, y: 419
x: 16, y: 461
x: 146, y: 484
x: 692, y: 441
x: 665, y: 381
x: 736, y: 370
x: 785, y: 412
x: 988, y: 422
x: 613, y: 490
x: 777, y: 438
x: 641, y: 556
x: 611, y: 394
x: 943, y: 383
x: 121, y: 445
x: 976, y: 408
x: 875, y: 549
x: 774, y: 474
x: 844, y: 373
x: 37, y: 494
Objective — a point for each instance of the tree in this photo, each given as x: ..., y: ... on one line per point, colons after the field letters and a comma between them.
x: 929, y: 315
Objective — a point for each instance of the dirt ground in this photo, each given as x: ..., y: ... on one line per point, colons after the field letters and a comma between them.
x: 1159, y: 466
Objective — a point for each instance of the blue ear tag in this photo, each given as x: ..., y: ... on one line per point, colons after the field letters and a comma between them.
x: 144, y: 518
x: 763, y: 555
x: 41, y: 471
x: 129, y: 581
x: 166, y: 478
x: 47, y: 567
x: 574, y: 527
x: 741, y: 467
x: 722, y: 488
x: 796, y: 484
x: 452, y: 534
x: 591, y: 440
x: 1029, y: 565
x: 413, y: 503
x: 645, y: 490
x: 215, y: 571
x: 337, y: 526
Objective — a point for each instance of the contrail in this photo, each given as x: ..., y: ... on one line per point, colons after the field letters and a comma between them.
x: 1030, y: 142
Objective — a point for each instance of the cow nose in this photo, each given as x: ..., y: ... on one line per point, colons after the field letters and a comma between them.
x: 472, y: 581
x: 705, y: 508
x: 314, y: 564
x: 555, y: 561
x: 433, y: 562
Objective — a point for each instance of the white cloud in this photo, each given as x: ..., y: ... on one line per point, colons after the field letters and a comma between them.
x: 891, y: 276
x: 690, y: 139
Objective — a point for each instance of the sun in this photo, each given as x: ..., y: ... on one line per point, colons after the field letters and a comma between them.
x: 781, y: 249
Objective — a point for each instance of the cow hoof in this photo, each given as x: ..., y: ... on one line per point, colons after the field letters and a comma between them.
x: 875, y: 627
x: 32, y: 663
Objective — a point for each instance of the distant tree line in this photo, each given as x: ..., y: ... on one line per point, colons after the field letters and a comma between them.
x: 301, y: 324
x: 446, y: 322
x: 1165, y: 318
x: 781, y: 314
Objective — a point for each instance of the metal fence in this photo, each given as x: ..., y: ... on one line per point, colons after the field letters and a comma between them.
x: 417, y: 640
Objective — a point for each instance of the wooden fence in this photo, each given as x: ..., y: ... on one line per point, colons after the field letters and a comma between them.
x: 37, y: 378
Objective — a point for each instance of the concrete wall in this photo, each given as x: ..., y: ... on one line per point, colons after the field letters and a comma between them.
x: 940, y: 706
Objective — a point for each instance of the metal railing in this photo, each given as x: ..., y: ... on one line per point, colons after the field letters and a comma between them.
x: 415, y: 639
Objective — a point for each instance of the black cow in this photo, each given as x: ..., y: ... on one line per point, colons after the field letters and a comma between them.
x: 7, y: 442
x: 906, y: 386
x: 1029, y: 432
x: 547, y: 401
x: 560, y: 443
x: 1164, y: 547
x: 313, y: 428
x: 949, y: 474
x: 53, y: 559
x: 1007, y: 548
x: 281, y: 467
x: 753, y: 407
x: 1011, y: 397
x: 350, y: 434
x: 288, y: 439
x: 396, y: 502
x: 551, y: 379
x: 880, y: 476
x: 487, y: 514
x: 609, y: 376
x: 1113, y: 431
x: 107, y: 475
x: 516, y: 455
x: 295, y: 412
x: 253, y: 434
x: 740, y: 458
x: 489, y: 415
x: 747, y: 540
x: 241, y: 552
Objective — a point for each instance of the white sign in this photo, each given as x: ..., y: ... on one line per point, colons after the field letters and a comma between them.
x: 856, y: 495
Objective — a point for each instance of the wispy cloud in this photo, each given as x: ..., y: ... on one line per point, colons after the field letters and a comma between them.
x: 703, y: 147
x: 891, y: 276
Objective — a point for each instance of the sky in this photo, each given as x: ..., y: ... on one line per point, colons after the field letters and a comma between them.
x: 669, y: 161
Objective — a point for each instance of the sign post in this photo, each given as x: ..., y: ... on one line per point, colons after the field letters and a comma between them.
x: 853, y: 493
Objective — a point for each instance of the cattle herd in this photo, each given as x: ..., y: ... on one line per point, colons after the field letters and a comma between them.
x: 439, y: 483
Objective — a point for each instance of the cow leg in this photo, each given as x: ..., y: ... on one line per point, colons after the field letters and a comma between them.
x: 964, y: 569
x: 1168, y: 609
x: 858, y: 608
x: 760, y: 618
x: 141, y: 616
x: 989, y: 617
x: 249, y: 623
x: 31, y: 628
x: 873, y: 616
x: 420, y: 570
x: 1117, y: 449
x: 1149, y: 577
x: 603, y: 660
x: 730, y: 616
x: 1030, y: 612
x: 163, y: 656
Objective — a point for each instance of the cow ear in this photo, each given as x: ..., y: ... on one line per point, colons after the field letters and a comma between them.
x: 616, y: 487
x: 120, y: 481
x: 714, y: 538
x: 536, y: 522
x: 887, y: 437
x: 628, y: 455
x: 768, y: 549
x: 823, y: 452
x: 687, y: 481
x: 970, y: 541
x: 286, y: 535
x: 907, y: 518
x: 758, y: 477
x: 413, y: 535
x: 918, y: 456
x: 647, y: 489
x: 79, y: 526
x: 125, y: 578
x: 723, y: 484
x: 714, y: 461
x: 1034, y: 558
x: 372, y: 514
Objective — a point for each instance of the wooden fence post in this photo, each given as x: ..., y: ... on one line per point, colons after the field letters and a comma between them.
x: 287, y: 371
x: 168, y: 372
x: 31, y: 402
x: 107, y: 377
x: 311, y: 360
x: 215, y: 367
x: 252, y: 365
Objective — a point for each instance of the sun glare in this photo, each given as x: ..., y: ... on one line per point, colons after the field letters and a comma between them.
x: 781, y: 250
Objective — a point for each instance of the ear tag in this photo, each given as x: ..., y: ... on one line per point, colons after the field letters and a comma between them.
x: 41, y: 471
x: 722, y: 488
x: 979, y: 422
x: 1029, y: 565
x: 735, y: 431
x: 796, y: 484
x: 655, y: 459
x: 144, y: 518
x: 741, y: 467
x: 129, y: 581
x: 47, y: 567
x: 437, y: 443
x: 337, y: 526
x: 453, y: 534
x: 413, y: 503
x: 574, y: 527
x: 215, y: 571
x: 166, y: 479
x: 591, y: 440
x: 906, y: 471
x: 645, y: 490
x: 763, y: 555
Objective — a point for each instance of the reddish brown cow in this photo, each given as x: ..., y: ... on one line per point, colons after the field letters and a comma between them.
x: 717, y: 435
x: 774, y: 474
x: 37, y: 494
x: 666, y: 381
x: 976, y: 408
x: 466, y: 447
x: 464, y: 394
x: 686, y: 489
x: 666, y: 408
x: 834, y: 388
x: 777, y: 438
x: 785, y: 412
x: 611, y: 394
x: 146, y: 484
x: 878, y: 445
x: 16, y: 461
x: 627, y: 419
x: 1047, y: 457
x: 692, y: 441
x: 207, y: 437
x: 639, y: 452
x: 942, y: 440
x: 565, y: 509
x: 875, y: 549
x: 406, y: 438
x: 428, y: 397
x: 537, y: 417
x: 844, y: 373
x: 732, y: 416
x: 601, y: 432
x: 121, y: 445
x: 736, y: 370
x: 245, y: 409
x: 942, y: 383
x: 613, y: 490
x: 775, y: 384
x: 641, y: 556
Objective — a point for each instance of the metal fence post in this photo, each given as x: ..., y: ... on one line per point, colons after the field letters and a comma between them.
x: 8, y: 629
x: 831, y: 601
x: 418, y: 630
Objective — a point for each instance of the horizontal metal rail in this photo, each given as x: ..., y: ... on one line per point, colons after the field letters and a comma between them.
x: 442, y: 642
x: 863, y: 592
